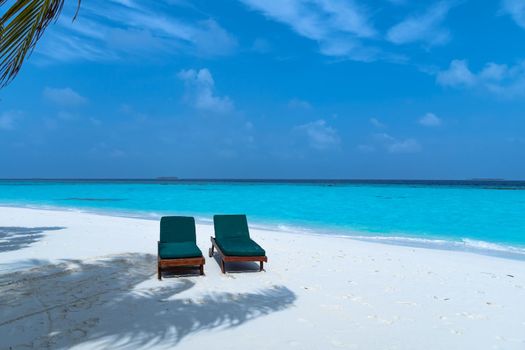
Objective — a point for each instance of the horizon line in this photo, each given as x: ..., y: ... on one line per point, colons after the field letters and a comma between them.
x: 176, y: 179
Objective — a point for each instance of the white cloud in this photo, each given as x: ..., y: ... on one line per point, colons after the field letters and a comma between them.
x: 516, y: 9
x: 116, y: 29
x: 200, y: 92
x: 8, y: 120
x: 430, y: 120
x: 426, y: 27
x: 493, y: 72
x: 64, y: 97
x: 456, y: 75
x: 296, y: 103
x: 375, y: 122
x: 384, y: 138
x: 498, y: 79
x: 404, y: 146
x: 391, y: 144
x: 338, y: 26
x: 320, y: 135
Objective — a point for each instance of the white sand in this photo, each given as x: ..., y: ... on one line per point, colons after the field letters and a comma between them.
x: 92, y: 285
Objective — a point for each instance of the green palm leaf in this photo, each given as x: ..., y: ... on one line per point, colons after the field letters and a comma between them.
x: 21, y: 26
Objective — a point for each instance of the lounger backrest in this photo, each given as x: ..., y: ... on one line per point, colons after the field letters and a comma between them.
x: 177, y: 229
x: 230, y: 226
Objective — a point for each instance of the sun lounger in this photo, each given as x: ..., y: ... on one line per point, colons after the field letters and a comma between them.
x: 177, y: 245
x: 233, y: 243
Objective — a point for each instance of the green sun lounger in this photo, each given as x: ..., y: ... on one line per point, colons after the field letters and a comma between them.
x: 177, y: 245
x: 233, y: 243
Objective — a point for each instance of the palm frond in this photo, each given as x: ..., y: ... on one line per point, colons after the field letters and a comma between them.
x: 21, y: 26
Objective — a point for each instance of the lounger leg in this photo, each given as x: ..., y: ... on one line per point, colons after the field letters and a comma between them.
x: 222, y: 267
x: 210, y: 252
x: 202, y: 269
x: 261, y: 266
x: 159, y: 276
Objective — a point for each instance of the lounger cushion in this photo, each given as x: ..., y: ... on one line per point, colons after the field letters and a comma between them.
x: 230, y: 226
x: 179, y: 250
x: 240, y: 247
x: 177, y: 229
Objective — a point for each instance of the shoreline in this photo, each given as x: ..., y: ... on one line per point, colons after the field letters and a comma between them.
x: 66, y: 279
x: 468, y: 245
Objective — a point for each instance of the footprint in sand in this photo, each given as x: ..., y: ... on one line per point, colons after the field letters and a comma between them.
x: 490, y: 303
x: 490, y: 274
x: 310, y: 288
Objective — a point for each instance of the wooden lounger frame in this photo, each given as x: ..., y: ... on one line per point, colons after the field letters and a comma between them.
x: 231, y: 258
x: 163, y: 263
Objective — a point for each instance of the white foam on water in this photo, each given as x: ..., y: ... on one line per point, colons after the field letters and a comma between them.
x: 465, y: 244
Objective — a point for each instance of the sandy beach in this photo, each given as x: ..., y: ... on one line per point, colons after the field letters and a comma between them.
x: 85, y: 281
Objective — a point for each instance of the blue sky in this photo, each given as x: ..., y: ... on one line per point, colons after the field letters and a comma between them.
x: 272, y: 89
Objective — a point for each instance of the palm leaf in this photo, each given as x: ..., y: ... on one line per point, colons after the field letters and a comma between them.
x: 21, y: 26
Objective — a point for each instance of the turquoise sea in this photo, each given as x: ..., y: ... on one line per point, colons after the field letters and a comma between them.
x: 480, y: 216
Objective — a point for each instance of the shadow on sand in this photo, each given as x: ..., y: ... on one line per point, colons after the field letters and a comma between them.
x: 237, y: 267
x: 103, y: 301
x: 14, y: 238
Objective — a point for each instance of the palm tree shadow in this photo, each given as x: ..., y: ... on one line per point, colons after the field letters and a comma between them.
x: 14, y: 238
x: 106, y: 301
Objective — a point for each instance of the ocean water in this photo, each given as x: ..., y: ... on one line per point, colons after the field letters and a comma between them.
x: 487, y: 217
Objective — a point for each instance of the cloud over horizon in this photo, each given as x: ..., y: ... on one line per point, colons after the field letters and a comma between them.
x: 430, y: 120
x: 498, y: 79
x: 64, y: 97
x: 390, y: 144
x: 425, y: 27
x: 200, y: 92
x: 320, y: 135
x: 337, y: 26
x: 516, y: 9
x: 113, y: 29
